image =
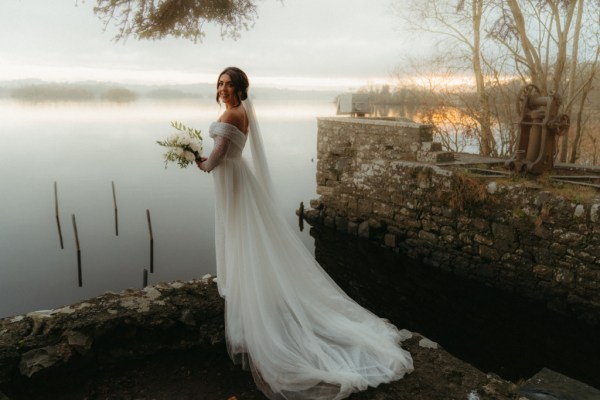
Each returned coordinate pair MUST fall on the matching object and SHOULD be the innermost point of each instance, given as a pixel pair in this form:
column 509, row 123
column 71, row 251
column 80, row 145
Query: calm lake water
column 84, row 147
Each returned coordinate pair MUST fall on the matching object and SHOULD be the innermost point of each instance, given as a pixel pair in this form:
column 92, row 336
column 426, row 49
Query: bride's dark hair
column 240, row 82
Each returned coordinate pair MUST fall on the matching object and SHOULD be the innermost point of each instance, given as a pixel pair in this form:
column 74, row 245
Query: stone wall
column 541, row 240
column 134, row 324
column 113, row 327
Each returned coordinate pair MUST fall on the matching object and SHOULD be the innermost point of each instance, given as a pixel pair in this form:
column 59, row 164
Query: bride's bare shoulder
column 235, row 117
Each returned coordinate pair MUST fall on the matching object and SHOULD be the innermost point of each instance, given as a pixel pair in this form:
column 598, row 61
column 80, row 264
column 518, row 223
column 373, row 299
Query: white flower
column 196, row 146
column 189, row 155
column 184, row 140
column 179, row 151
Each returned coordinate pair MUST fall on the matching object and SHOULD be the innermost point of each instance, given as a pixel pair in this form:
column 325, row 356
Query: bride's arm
column 216, row 156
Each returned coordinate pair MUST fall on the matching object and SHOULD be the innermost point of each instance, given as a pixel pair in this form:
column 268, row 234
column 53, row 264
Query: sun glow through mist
column 136, row 75
column 440, row 81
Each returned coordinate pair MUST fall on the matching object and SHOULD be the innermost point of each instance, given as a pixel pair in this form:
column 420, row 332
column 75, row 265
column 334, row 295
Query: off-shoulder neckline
column 227, row 123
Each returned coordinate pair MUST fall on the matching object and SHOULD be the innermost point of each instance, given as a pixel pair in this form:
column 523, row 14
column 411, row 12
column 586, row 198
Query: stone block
column 397, row 198
column 383, row 210
column 488, row 253
column 325, row 190
column 436, row 146
column 353, row 228
column 480, row 224
column 570, row 238
column 431, row 146
column 435, row 156
column 316, row 204
column 364, row 230
column 564, row 276
column 365, row 206
column 548, row 384
column 480, row 239
column 42, row 358
column 595, row 212
column 389, row 240
column 352, row 204
column 428, row 236
column 341, row 223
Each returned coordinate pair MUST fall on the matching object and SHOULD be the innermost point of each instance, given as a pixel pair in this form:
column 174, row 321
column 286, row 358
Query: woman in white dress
column 285, row 319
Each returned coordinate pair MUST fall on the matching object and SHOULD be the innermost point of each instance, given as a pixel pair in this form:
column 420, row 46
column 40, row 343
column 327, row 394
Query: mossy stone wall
column 506, row 233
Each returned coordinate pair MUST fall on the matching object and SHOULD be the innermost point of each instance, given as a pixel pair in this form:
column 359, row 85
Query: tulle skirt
column 286, row 320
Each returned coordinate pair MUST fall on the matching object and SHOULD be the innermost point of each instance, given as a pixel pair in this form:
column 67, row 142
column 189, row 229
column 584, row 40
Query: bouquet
column 184, row 146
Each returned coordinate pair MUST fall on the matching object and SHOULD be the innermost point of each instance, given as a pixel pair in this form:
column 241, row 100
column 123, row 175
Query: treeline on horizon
column 422, row 96
column 47, row 92
column 58, row 92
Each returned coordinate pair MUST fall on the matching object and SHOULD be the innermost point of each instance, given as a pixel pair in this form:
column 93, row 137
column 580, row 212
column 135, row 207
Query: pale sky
column 329, row 44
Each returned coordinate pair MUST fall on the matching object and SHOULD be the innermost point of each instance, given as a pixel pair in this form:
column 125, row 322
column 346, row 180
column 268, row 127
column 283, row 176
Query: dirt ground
column 194, row 375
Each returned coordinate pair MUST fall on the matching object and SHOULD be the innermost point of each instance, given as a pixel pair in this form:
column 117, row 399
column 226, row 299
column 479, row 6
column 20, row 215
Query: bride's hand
column 199, row 163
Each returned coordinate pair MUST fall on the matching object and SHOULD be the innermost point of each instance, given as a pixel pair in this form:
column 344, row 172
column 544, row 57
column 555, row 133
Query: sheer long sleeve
column 219, row 151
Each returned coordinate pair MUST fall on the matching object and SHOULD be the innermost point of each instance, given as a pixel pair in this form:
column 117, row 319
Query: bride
column 285, row 319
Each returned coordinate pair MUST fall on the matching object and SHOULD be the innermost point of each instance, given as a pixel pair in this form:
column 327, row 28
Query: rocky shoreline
column 170, row 337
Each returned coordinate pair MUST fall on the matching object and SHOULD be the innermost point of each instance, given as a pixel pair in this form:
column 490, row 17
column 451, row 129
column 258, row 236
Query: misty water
column 84, row 147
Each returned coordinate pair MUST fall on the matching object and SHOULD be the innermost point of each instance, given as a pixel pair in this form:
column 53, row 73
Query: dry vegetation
column 467, row 191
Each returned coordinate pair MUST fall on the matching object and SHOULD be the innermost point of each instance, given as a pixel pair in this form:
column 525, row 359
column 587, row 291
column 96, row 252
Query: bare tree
column 156, row 19
column 462, row 25
column 449, row 113
column 544, row 38
column 581, row 119
column 488, row 144
column 544, row 42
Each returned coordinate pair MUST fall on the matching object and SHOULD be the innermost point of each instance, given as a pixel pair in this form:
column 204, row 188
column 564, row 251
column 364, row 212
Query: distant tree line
column 41, row 93
column 54, row 92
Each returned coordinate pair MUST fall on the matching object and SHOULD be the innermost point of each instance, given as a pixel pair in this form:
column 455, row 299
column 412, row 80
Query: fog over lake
column 83, row 147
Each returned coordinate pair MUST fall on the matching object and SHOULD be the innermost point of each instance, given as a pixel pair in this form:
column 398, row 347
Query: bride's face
column 226, row 90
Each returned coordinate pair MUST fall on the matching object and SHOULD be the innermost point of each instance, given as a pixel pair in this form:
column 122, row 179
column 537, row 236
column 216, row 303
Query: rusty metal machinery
column 539, row 128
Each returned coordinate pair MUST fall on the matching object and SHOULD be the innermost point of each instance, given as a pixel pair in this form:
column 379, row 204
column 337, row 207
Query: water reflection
column 495, row 331
column 85, row 147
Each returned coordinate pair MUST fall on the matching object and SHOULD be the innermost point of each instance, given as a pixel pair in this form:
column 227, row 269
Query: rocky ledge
column 134, row 327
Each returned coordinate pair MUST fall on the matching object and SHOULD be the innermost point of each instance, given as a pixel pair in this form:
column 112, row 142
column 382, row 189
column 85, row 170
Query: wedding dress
column 285, row 319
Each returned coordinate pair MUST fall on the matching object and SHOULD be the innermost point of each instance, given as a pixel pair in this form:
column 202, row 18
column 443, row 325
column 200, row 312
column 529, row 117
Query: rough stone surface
column 548, row 384
column 134, row 323
column 166, row 342
column 515, row 235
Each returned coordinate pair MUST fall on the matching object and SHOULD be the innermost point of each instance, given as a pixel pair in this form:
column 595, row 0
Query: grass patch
column 575, row 193
column 466, row 191
column 571, row 192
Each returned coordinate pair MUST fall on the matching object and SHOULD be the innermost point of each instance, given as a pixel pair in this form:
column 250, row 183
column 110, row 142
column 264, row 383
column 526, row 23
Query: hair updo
column 240, row 83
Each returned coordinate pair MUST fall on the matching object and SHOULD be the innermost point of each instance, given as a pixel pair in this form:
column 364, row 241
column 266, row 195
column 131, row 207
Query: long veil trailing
column 259, row 158
column 285, row 318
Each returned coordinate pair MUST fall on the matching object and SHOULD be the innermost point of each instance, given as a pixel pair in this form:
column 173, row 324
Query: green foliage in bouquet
column 183, row 147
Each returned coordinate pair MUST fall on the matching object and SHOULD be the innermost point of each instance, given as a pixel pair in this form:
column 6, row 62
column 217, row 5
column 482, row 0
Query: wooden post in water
column 301, row 216
column 145, row 277
column 151, row 242
column 57, row 217
column 116, row 212
column 80, row 280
